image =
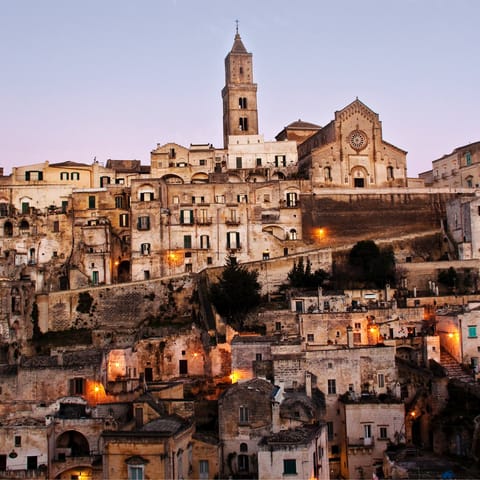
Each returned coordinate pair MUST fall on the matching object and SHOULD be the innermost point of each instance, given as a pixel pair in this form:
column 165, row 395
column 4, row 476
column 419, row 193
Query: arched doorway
column 359, row 177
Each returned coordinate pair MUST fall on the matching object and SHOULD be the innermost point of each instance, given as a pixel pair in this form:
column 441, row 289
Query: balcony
column 204, row 221
column 232, row 221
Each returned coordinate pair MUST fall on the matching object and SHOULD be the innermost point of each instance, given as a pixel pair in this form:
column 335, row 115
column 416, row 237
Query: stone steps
column 453, row 368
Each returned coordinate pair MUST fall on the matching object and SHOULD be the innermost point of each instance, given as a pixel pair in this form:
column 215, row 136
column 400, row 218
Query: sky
column 85, row 79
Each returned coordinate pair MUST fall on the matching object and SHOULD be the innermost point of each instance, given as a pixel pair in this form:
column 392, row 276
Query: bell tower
column 240, row 116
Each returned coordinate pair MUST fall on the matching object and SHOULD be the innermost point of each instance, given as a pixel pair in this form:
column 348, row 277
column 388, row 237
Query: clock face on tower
column 358, row 139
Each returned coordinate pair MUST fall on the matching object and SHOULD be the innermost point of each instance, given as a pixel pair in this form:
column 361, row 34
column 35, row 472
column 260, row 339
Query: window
column 146, row 196
column 469, row 182
column 242, row 102
column 123, row 220
column 119, row 181
column 310, row 337
column 187, row 241
column 77, row 386
column 330, row 431
column 291, row 199
column 95, row 277
column 143, row 223
column 390, row 175
column 202, row 162
column 135, row 472
column 259, row 162
column 327, row 172
column 357, row 337
column 219, row 198
column 292, row 234
column 202, row 217
column 198, row 199
column 209, row 260
column 146, row 274
column 25, row 207
column 104, row 181
column 3, row 209
column 64, row 176
column 381, row 380
column 278, row 326
column 383, row 433
column 258, row 357
column 33, row 175
column 204, row 242
column 145, row 248
column 332, row 386
column 233, row 240
column 299, row 306
column 472, row 331
column 367, row 431
column 203, row 469
column 242, row 198
column 91, row 201
column 243, row 447
column 243, row 124
column 175, row 199
column 119, row 201
column 186, row 217
column 243, row 414
column 289, row 466
column 358, row 325
column 468, row 159
column 280, row 161
column 239, row 162
column 266, row 198
column 56, row 226
column 18, row 441
column 75, row 176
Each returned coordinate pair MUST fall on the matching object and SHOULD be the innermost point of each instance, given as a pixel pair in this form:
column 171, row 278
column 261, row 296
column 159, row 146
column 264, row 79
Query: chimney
column 349, row 336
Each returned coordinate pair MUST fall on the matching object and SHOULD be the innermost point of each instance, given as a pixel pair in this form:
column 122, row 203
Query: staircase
column 453, row 368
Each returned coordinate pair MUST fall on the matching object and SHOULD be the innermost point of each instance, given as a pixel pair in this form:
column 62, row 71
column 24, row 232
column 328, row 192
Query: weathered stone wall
column 121, row 307
column 348, row 218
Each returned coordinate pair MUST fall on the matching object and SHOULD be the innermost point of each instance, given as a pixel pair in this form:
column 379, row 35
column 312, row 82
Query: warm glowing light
column 450, row 335
column 195, row 354
column 116, row 263
column 320, row 233
column 234, row 377
column 97, row 388
column 412, row 414
column 372, row 329
column 117, row 364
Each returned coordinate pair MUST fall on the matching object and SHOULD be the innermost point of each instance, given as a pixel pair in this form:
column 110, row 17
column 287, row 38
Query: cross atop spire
column 236, row 22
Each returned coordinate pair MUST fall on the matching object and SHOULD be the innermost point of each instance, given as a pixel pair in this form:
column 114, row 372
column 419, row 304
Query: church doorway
column 359, row 182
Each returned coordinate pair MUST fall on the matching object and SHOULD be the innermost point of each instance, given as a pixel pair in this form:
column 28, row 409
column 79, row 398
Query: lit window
column 291, row 199
column 124, row 220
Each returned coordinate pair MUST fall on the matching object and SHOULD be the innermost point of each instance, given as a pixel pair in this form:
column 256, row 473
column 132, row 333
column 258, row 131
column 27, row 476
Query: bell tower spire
column 240, row 115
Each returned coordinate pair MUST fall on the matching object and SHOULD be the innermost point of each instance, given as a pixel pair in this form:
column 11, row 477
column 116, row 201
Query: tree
column 236, row 293
column 371, row 265
column 301, row 276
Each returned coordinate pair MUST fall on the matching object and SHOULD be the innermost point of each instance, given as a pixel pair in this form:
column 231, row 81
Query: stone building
column 370, row 424
column 350, row 152
column 459, row 169
column 297, row 452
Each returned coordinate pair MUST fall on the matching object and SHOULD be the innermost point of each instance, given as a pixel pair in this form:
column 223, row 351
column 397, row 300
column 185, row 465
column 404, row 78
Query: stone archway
column 359, row 177
column 73, row 444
